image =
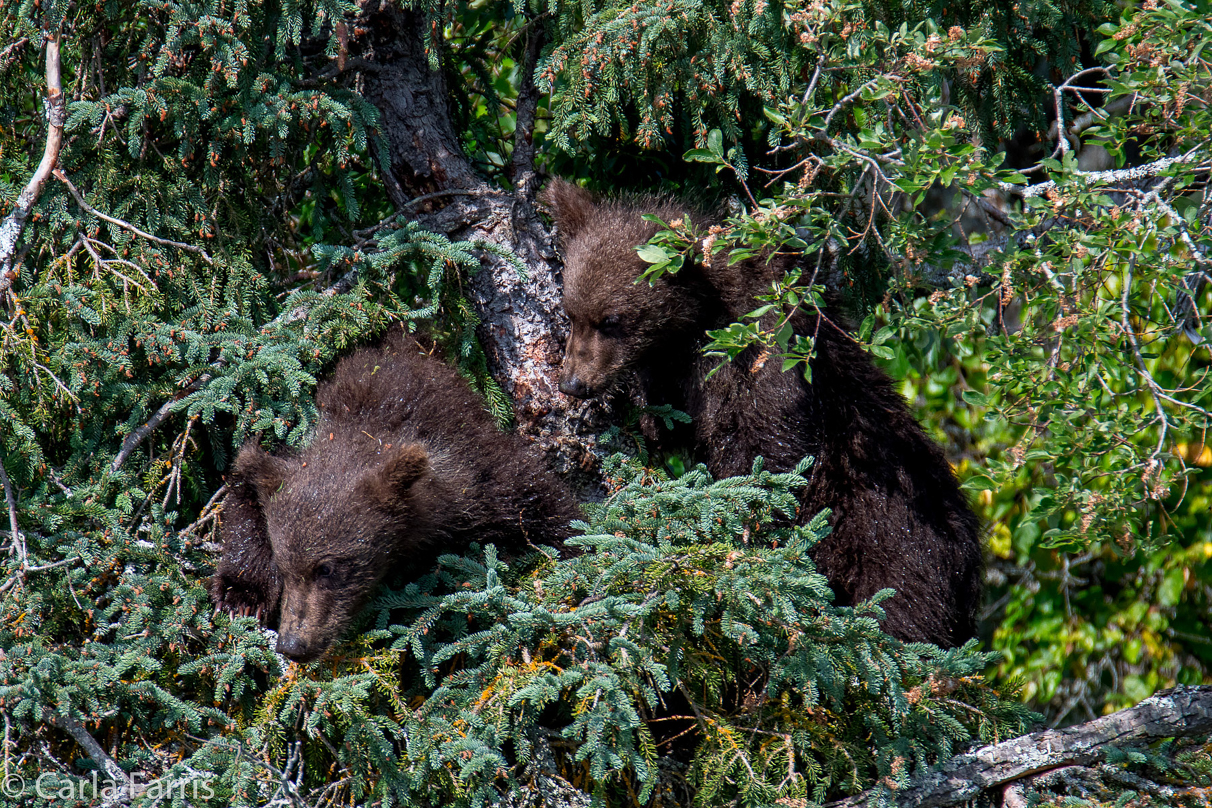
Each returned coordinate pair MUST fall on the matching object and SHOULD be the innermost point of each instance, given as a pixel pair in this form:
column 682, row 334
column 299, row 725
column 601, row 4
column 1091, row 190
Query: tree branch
column 59, row 175
column 1182, row 712
column 1118, row 175
column 528, row 104
column 11, row 500
column 94, row 750
column 56, row 116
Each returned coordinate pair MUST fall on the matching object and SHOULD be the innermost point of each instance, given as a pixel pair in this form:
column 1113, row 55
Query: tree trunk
column 522, row 322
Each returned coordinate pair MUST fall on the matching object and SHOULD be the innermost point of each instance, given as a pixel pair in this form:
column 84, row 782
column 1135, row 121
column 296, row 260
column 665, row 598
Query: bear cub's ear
column 570, row 205
column 405, row 466
column 263, row 471
column 387, row 485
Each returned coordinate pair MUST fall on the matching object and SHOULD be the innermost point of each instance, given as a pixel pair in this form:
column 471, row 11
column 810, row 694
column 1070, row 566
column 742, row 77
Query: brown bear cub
column 405, row 465
column 899, row 518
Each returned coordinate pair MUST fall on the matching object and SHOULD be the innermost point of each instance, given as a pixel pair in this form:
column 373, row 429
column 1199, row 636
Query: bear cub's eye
column 611, row 326
column 325, row 571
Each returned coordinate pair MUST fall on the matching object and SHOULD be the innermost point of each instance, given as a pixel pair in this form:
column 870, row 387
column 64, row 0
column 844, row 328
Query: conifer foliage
column 228, row 214
column 690, row 648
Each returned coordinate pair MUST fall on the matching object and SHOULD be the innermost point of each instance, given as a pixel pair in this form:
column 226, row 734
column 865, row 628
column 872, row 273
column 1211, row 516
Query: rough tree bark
column 522, row 321
column 1183, row 712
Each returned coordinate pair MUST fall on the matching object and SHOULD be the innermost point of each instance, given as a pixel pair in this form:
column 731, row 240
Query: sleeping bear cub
column 405, row 465
column 899, row 518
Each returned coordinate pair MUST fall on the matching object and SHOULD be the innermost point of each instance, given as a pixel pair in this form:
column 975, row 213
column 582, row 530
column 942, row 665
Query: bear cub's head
column 616, row 323
column 335, row 527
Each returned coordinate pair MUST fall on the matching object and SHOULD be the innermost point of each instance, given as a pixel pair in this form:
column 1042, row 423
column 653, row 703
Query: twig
column 59, row 175
column 364, row 236
column 56, row 116
column 816, row 75
column 852, row 96
column 140, row 433
column 287, row 787
column 63, row 562
column 1087, row 119
column 1114, row 176
column 15, row 532
column 174, row 476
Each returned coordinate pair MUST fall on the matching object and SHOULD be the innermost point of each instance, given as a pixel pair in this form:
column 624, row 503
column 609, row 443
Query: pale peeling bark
column 56, row 116
column 1183, row 712
column 522, row 322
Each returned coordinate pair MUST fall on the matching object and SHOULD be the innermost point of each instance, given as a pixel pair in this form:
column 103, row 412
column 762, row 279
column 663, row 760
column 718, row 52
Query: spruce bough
column 690, row 649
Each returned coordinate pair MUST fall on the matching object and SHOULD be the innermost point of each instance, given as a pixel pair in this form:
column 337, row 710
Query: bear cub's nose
column 572, row 386
column 294, row 647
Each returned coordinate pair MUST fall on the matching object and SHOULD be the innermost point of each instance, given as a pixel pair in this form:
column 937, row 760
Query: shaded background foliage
column 1051, row 343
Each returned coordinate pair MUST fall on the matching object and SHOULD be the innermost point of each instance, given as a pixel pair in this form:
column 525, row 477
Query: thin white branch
column 1115, row 176
column 853, row 96
column 14, row 531
column 56, row 116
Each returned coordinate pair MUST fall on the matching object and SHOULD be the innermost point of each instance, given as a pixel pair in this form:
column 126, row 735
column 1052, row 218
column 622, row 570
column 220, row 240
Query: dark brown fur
column 899, row 518
column 405, row 465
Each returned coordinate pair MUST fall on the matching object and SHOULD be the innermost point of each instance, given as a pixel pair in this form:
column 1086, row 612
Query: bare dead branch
column 59, row 175
column 1115, row 176
column 56, row 116
column 14, row 530
column 1182, row 712
column 95, row 751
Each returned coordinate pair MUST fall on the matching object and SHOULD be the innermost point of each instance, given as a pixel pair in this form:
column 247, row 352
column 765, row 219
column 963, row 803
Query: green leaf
column 653, row 254
column 701, row 156
column 883, row 351
column 980, row 483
